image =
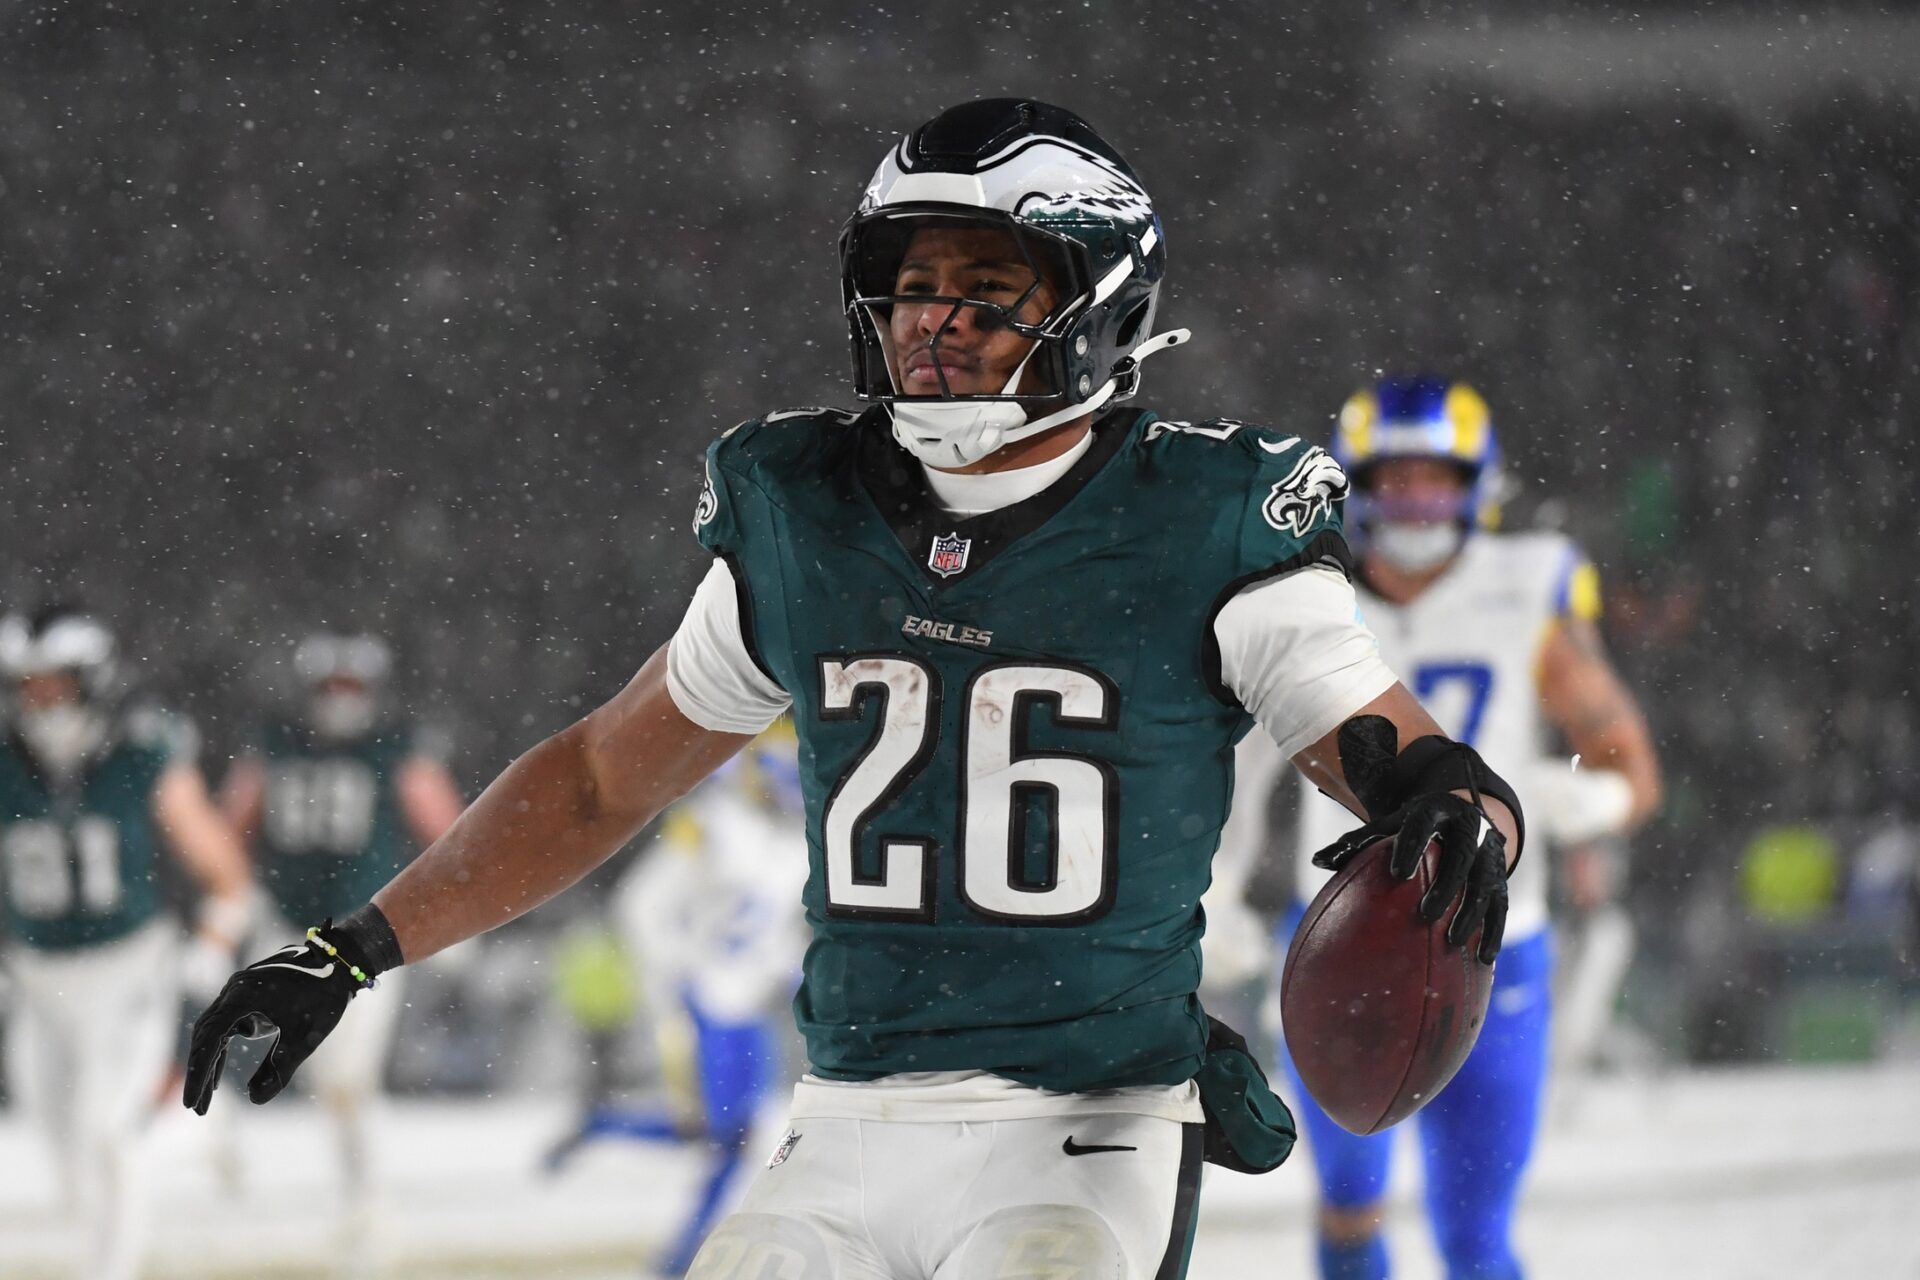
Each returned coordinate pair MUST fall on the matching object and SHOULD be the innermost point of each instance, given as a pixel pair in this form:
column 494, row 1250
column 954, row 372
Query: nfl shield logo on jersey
column 785, row 1149
column 949, row 554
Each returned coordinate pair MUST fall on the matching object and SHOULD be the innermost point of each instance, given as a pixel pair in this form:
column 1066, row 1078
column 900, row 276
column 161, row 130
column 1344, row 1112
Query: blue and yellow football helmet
column 1422, row 417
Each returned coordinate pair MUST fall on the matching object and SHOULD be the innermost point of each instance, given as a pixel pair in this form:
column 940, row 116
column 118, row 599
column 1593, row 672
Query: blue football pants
column 737, row 1061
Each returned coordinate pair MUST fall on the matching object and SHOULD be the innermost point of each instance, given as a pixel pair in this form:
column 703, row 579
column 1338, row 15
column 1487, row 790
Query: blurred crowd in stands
column 418, row 318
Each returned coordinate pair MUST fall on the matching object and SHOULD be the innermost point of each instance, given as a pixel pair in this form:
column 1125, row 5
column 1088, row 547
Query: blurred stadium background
column 416, row 317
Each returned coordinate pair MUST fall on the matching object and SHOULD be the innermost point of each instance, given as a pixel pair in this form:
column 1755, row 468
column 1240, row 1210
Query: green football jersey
column 1015, row 743
column 79, row 860
column 331, row 833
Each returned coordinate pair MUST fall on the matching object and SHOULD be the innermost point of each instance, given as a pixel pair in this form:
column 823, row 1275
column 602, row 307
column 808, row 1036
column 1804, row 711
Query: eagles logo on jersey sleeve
column 714, row 522
column 1294, row 491
column 1275, row 504
column 1295, row 502
column 1305, row 499
column 1291, row 494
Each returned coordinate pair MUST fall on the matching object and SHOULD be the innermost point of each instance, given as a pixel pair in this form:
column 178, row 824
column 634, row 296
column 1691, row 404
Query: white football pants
column 1030, row 1199
column 92, row 1037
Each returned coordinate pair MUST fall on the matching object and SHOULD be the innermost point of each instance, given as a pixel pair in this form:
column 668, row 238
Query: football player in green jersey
column 332, row 801
column 1019, row 627
column 91, row 792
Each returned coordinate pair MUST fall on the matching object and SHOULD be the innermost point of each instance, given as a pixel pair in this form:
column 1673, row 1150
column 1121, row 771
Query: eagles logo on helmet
column 1082, row 223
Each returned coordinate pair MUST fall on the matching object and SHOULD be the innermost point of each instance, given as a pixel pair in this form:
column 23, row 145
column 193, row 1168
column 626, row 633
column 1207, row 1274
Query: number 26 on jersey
column 999, row 785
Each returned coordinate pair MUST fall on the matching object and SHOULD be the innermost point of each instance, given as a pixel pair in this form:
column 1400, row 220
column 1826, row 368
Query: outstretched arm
column 556, row 813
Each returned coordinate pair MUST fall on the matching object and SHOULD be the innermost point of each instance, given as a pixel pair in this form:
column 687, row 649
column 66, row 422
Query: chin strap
column 957, row 433
column 1126, row 374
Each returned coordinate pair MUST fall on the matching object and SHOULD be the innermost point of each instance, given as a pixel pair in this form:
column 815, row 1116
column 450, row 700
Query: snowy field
column 1748, row 1174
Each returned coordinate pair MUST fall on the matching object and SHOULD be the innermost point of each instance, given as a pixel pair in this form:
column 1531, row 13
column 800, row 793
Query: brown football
column 1378, row 1009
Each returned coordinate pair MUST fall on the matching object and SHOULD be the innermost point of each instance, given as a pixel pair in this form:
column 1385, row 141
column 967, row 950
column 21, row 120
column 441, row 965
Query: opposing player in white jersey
column 714, row 915
column 1496, row 633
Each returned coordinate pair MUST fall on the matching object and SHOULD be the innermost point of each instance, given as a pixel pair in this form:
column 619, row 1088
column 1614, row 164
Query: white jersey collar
column 972, row 495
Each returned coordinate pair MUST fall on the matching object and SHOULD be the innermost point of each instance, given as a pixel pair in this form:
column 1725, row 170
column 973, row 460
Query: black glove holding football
column 1409, row 796
column 297, row 995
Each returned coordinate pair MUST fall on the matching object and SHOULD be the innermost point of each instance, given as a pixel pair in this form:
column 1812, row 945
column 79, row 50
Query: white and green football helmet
column 1080, row 218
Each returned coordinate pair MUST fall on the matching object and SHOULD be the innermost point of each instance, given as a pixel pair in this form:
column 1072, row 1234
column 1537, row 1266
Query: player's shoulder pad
column 1573, row 581
column 169, row 734
column 1292, row 490
column 1232, row 450
column 757, row 451
column 1547, row 564
column 779, row 437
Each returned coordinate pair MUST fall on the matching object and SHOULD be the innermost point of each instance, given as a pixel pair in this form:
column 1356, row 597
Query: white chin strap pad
column 958, row 433
column 954, row 433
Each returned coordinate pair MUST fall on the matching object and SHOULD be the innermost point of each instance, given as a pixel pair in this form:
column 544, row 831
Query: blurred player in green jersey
column 333, row 799
column 93, row 789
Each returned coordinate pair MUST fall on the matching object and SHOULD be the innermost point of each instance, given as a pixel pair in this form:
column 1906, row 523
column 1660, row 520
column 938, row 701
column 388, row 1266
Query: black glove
column 1473, row 852
column 1473, row 857
column 297, row 995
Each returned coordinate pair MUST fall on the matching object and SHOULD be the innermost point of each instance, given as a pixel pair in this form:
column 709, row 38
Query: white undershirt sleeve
column 1296, row 654
column 711, row 676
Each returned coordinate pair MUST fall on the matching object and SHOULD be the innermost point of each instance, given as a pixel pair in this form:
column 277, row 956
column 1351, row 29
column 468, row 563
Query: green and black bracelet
column 360, row 976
